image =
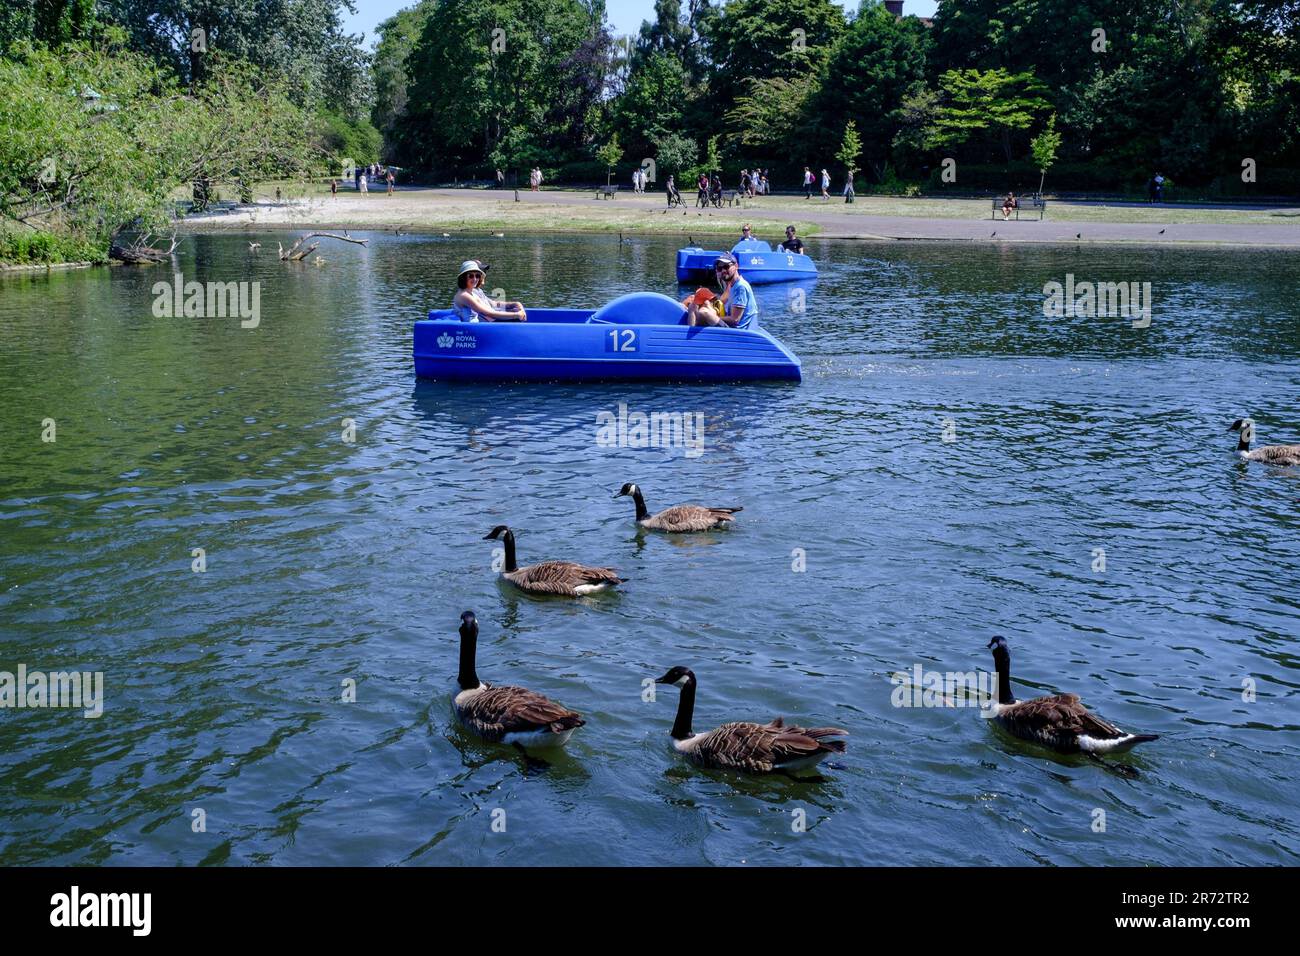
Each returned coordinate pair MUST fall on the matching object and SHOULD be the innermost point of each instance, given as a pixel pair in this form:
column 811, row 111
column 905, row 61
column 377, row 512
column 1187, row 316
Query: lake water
column 946, row 472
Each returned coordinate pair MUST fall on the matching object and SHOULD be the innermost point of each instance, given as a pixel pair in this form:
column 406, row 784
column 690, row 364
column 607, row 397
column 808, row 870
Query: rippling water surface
column 329, row 561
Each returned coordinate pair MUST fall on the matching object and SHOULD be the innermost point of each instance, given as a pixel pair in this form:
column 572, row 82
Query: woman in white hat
column 472, row 304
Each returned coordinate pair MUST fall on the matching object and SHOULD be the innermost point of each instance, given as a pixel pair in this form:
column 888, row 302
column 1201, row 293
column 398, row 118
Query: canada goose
column 509, row 715
column 254, row 246
column 552, row 577
column 1059, row 721
column 680, row 518
column 1273, row 454
column 754, row 748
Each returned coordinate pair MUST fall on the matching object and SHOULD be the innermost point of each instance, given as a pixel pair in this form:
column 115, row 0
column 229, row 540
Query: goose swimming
column 1272, row 454
column 552, row 577
column 680, row 518
column 509, row 715
column 1059, row 721
column 752, row 748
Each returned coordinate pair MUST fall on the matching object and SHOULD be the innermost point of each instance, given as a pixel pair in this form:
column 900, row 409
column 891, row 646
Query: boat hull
column 564, row 345
column 758, row 268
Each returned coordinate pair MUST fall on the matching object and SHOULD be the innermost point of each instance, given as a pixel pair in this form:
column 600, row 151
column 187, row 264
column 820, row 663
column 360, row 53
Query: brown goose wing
column 689, row 518
column 560, row 577
column 762, row 748
column 498, row 711
column 1059, row 718
column 1277, row 454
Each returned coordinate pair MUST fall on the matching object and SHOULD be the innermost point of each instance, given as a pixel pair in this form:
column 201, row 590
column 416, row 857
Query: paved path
column 1056, row 227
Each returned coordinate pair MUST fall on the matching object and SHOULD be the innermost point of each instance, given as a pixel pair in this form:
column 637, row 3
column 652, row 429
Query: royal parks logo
column 457, row 340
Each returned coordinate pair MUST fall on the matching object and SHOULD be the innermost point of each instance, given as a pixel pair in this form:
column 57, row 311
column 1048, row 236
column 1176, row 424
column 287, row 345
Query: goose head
column 1247, row 428
column 1001, row 654
column 468, row 625
column 628, row 489
column 496, row 532
column 678, row 676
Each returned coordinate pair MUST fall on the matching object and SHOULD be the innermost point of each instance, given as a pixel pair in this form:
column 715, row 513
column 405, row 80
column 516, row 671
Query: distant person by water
column 807, row 183
column 826, row 185
column 390, row 180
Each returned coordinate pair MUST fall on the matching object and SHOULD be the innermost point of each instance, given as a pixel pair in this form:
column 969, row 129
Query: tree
column 675, row 153
column 769, row 112
column 1044, row 147
column 397, row 38
column 767, row 38
column 850, row 149
column 977, row 102
column 610, row 154
column 118, row 135
column 510, row 57
column 870, row 70
column 653, row 102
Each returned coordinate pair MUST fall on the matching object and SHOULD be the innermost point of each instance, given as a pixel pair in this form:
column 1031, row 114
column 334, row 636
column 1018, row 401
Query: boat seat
column 639, row 308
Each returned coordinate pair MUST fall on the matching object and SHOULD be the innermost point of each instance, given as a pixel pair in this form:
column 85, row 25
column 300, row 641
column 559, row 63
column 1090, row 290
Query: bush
column 36, row 248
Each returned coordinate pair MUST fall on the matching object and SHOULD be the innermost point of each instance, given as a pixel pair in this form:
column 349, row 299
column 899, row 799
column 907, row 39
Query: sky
column 625, row 16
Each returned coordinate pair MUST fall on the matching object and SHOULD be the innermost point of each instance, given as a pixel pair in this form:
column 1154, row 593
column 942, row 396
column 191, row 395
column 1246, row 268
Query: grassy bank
column 29, row 248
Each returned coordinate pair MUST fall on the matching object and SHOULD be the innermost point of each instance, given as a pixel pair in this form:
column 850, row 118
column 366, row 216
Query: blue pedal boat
column 758, row 263
column 641, row 335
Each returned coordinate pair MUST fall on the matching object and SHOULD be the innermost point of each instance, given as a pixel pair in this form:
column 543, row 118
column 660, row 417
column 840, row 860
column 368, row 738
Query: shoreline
column 557, row 212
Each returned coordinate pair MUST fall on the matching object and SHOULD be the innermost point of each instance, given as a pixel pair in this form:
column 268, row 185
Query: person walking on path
column 390, row 179
column 334, row 187
column 365, row 183
column 807, row 183
column 826, row 185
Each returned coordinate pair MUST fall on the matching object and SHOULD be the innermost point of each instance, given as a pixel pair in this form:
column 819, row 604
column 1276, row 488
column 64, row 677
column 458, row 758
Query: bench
column 606, row 192
column 1027, row 204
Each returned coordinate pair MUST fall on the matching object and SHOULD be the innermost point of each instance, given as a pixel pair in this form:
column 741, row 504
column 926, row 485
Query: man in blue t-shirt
column 741, row 306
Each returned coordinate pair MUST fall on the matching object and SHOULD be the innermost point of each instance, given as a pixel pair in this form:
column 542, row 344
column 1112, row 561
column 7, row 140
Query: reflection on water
column 330, row 561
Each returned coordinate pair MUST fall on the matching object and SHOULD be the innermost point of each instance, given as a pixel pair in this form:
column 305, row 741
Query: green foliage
column 978, row 102
column 302, row 42
column 653, row 101
column 26, row 247
column 755, row 39
column 342, row 139
column 397, row 38
column 611, row 153
column 1044, row 147
column 117, row 136
column 674, row 154
column 850, row 149
column 769, row 112
column 515, row 92
column 875, row 64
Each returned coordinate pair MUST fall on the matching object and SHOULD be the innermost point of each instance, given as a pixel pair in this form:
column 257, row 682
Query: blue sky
column 625, row 16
